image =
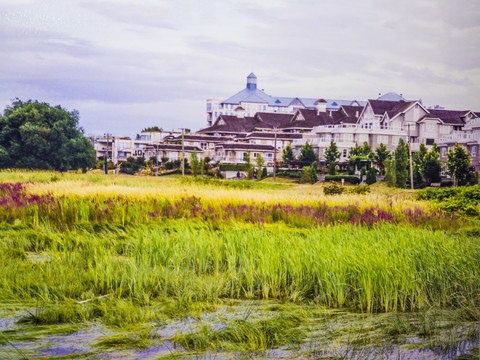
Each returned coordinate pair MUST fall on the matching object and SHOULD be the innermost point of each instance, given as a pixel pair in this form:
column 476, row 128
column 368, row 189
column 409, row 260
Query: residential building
column 254, row 100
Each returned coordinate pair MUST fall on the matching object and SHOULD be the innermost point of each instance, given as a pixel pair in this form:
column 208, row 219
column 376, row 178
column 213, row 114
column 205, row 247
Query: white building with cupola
column 253, row 100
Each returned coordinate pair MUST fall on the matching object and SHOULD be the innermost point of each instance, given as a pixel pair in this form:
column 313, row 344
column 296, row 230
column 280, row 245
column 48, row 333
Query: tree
column 390, row 172
column 307, row 155
column 371, row 176
column 331, row 155
column 194, row 163
column 359, row 156
column 248, row 165
column 418, row 162
column 381, row 154
column 401, row 164
column 260, row 163
column 458, row 165
column 309, row 174
column 288, row 155
column 36, row 135
column 432, row 166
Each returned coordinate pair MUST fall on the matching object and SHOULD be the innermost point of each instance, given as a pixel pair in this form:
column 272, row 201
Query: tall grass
column 372, row 269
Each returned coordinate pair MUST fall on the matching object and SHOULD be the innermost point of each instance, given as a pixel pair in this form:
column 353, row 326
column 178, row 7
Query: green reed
column 384, row 268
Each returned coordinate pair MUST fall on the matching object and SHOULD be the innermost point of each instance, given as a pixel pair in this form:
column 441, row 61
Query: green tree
column 432, row 166
column 260, row 163
column 458, row 165
column 307, row 155
column 309, row 174
column 288, row 155
column 390, row 172
column 35, row 135
column 331, row 155
column 381, row 154
column 401, row 164
column 371, row 176
column 195, row 163
column 248, row 165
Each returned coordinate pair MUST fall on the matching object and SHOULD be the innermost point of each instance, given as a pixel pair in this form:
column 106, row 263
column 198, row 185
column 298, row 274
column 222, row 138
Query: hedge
column 233, row 167
column 351, row 179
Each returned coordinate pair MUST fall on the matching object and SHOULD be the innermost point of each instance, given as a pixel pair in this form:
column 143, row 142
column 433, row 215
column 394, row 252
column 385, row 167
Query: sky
column 126, row 65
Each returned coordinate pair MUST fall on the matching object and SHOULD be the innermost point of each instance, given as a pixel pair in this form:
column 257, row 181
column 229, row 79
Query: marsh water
column 224, row 333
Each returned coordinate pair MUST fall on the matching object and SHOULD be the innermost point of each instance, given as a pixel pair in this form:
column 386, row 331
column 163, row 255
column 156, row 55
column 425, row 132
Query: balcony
column 460, row 137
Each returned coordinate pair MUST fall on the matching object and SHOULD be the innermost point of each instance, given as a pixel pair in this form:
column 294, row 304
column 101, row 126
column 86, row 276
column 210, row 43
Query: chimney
column 321, row 106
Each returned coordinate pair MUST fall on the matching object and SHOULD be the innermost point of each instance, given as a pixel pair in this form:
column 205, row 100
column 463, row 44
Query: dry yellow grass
column 141, row 188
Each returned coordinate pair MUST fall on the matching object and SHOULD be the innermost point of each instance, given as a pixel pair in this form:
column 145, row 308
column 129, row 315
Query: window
column 345, row 153
column 429, row 141
column 474, row 151
column 382, row 139
column 395, row 140
column 444, row 151
column 203, row 145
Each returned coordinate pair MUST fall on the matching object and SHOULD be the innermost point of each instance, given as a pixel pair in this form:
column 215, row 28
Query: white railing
column 460, row 137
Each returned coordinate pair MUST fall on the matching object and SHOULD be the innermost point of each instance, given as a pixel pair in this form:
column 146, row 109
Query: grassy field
column 170, row 267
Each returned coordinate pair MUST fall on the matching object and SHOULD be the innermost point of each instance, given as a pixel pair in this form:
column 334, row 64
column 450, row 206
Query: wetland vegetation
column 138, row 267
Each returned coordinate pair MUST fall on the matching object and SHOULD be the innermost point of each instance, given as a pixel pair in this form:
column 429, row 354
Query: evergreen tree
column 381, row 154
column 288, row 155
column 371, row 176
column 194, row 163
column 307, row 155
column 248, row 166
column 432, row 166
column 458, row 165
column 331, row 155
column 260, row 163
column 401, row 164
column 390, row 172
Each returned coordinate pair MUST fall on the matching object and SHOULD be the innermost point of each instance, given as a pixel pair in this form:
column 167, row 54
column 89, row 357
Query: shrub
column 349, row 178
column 359, row 189
column 233, row 167
column 296, row 174
column 264, row 173
column 333, row 189
column 371, row 176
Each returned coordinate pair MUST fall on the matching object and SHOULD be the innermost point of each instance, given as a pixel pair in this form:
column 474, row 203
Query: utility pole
column 183, row 153
column 275, row 154
column 410, row 156
column 156, row 158
column 105, row 157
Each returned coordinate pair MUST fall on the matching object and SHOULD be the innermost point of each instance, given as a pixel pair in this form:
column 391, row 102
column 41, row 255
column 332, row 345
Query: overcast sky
column 125, row 65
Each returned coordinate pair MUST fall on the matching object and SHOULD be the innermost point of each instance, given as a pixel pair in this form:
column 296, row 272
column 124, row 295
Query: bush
column 359, row 190
column 295, row 174
column 333, row 189
column 351, row 179
column 233, row 167
column 371, row 176
column 309, row 175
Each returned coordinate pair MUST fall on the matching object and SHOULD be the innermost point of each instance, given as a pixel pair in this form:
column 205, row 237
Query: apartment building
column 254, row 100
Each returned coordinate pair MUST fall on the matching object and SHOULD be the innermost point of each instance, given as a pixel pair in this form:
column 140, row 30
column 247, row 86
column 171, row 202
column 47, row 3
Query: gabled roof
column 307, row 119
column 271, row 120
column 391, row 96
column 231, row 124
column 379, row 107
column 351, row 110
column 450, row 117
column 400, row 108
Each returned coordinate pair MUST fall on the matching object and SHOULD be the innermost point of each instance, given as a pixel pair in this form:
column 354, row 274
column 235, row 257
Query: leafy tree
column 381, row 154
column 152, row 129
column 401, row 164
column 36, row 135
column 371, row 176
column 432, row 166
column 260, row 163
column 131, row 166
column 390, row 172
column 458, row 165
column 194, row 163
column 307, row 155
column 331, row 155
column 288, row 155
